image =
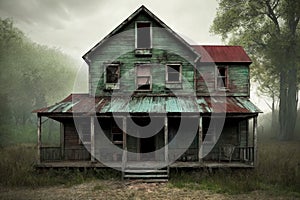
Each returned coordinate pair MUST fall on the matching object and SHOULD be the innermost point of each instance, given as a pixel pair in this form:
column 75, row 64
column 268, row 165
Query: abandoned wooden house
column 144, row 72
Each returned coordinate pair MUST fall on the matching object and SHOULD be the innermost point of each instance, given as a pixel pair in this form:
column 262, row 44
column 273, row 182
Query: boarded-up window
column 173, row 73
column 143, row 77
column 143, row 35
column 222, row 77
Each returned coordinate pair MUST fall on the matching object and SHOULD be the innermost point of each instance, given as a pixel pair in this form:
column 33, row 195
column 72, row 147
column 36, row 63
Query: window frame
column 218, row 76
column 112, row 86
column 167, row 74
column 136, row 77
column 136, row 34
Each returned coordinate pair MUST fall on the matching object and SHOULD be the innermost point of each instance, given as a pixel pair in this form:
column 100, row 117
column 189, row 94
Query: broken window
column 112, row 76
column 143, row 77
column 143, row 35
column 173, row 73
column 222, row 82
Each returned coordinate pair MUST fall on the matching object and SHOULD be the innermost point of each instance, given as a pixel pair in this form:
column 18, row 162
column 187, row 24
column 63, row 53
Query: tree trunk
column 282, row 106
column 288, row 96
column 274, row 126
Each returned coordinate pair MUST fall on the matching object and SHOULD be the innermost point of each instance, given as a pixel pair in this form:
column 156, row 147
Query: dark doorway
column 147, row 145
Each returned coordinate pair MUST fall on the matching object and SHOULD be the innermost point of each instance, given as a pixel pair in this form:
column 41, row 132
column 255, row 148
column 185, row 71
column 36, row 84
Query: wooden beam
column 124, row 155
column 200, row 135
column 39, row 134
column 92, row 139
column 62, row 140
column 166, row 141
column 255, row 162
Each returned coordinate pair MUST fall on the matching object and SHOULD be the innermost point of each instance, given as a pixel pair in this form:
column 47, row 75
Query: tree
column 269, row 30
column 32, row 75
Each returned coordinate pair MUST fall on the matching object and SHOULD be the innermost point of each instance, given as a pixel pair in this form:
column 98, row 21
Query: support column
column 166, row 140
column 255, row 162
column 39, row 144
column 62, row 141
column 93, row 139
column 124, row 155
column 200, row 134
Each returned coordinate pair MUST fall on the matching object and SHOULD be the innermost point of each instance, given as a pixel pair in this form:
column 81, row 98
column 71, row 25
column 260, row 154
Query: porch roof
column 86, row 104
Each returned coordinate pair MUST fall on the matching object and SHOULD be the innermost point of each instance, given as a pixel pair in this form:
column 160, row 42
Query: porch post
column 124, row 154
column 92, row 139
column 39, row 144
column 62, row 140
column 200, row 133
column 255, row 140
column 166, row 141
column 124, row 134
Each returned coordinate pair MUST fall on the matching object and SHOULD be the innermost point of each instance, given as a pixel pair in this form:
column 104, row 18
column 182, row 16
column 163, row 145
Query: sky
column 75, row 26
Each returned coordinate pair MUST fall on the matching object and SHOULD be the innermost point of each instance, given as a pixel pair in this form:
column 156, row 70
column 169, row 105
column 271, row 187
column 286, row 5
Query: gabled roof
column 128, row 20
column 86, row 104
column 222, row 54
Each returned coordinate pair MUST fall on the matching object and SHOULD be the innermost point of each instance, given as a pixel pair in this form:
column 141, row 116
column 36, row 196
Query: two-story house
column 156, row 101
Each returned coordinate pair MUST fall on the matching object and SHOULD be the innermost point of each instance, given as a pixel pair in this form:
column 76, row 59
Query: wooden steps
column 147, row 175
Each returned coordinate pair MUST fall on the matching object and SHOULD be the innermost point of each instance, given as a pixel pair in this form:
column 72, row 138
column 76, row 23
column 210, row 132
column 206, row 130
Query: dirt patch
column 115, row 190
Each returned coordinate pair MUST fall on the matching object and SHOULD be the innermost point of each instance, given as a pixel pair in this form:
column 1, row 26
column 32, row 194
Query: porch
column 95, row 134
column 53, row 157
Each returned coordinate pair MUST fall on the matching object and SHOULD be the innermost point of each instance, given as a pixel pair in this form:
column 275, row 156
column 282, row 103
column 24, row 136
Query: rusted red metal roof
column 85, row 104
column 226, row 105
column 222, row 54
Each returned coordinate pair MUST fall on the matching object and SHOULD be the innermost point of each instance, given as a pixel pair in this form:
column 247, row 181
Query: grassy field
column 277, row 174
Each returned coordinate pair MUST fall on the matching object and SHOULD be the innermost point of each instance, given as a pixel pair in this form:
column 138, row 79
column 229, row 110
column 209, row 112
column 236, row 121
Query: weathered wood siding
column 73, row 148
column 238, row 80
column 166, row 49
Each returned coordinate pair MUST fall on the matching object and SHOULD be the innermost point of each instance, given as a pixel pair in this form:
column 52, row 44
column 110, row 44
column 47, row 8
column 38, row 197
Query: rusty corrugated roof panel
column 83, row 103
column 222, row 54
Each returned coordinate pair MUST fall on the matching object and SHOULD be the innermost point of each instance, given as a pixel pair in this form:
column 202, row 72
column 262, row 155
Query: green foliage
column 269, row 30
column 31, row 76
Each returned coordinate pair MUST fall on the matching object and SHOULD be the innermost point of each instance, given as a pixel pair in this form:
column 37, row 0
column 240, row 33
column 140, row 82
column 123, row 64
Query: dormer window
column 143, row 38
column 222, row 78
column 112, row 76
column 143, row 77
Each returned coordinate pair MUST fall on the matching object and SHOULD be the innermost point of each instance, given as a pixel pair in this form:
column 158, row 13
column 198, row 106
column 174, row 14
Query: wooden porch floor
column 146, row 164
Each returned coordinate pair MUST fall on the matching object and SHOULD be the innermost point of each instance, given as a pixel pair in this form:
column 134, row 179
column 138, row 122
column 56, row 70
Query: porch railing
column 51, row 153
column 58, row 154
column 246, row 154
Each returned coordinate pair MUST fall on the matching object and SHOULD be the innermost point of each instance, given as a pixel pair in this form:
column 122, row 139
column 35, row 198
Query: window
column 143, row 77
column 117, row 132
column 173, row 73
column 222, row 78
column 143, row 35
column 112, row 76
column 209, row 131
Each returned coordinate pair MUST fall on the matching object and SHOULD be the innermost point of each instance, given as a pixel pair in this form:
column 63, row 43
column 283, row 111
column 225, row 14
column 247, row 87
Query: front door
column 147, row 148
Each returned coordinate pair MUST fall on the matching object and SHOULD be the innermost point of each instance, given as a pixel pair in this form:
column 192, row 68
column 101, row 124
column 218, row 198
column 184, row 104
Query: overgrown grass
column 278, row 172
column 17, row 169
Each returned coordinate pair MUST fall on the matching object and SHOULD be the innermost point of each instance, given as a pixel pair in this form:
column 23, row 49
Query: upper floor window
column 143, row 77
column 222, row 77
column 143, row 35
column 112, row 75
column 173, row 73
